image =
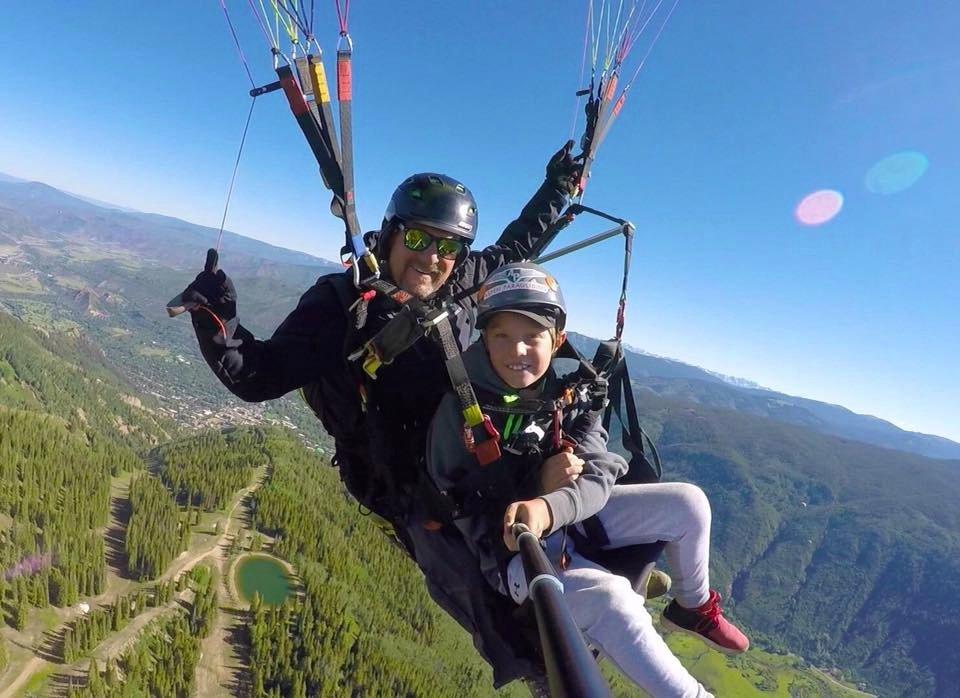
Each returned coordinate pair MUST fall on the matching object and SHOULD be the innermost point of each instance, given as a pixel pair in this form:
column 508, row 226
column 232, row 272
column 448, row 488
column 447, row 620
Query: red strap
column 344, row 84
column 488, row 452
column 216, row 318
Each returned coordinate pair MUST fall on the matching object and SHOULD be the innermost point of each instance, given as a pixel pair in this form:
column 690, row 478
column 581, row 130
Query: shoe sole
column 670, row 625
column 658, row 584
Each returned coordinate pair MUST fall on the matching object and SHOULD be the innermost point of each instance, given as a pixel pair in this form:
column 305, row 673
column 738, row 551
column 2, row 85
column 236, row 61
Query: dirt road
column 223, row 665
column 117, row 642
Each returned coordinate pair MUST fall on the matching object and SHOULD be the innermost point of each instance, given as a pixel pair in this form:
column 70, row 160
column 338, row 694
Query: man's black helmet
column 435, row 200
column 525, row 288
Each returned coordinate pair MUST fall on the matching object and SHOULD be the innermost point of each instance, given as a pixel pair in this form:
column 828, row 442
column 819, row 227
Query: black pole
column 272, row 87
column 571, row 669
column 625, row 229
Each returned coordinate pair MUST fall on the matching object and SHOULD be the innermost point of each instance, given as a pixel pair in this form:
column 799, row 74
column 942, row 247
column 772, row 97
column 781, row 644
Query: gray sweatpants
column 605, row 607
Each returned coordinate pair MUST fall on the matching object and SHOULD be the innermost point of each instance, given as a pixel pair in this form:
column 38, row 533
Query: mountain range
column 836, row 535
column 176, row 245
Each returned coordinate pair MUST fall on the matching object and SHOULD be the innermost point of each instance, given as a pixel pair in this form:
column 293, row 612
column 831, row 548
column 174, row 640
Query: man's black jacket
column 380, row 451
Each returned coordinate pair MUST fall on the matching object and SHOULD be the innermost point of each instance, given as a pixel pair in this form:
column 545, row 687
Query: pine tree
column 116, row 621
column 20, row 612
column 94, row 682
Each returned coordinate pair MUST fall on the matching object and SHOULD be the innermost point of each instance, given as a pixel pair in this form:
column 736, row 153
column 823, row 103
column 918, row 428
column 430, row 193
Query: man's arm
column 520, row 237
column 307, row 343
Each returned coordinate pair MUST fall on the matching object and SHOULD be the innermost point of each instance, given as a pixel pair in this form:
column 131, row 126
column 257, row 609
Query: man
column 379, row 426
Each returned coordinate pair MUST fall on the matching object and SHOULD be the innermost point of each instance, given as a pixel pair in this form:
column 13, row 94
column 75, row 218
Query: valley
column 824, row 543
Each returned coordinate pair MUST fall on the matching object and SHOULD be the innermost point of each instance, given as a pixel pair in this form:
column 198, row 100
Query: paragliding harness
column 417, row 319
column 591, row 381
column 597, row 390
column 308, row 96
column 535, row 428
column 303, row 81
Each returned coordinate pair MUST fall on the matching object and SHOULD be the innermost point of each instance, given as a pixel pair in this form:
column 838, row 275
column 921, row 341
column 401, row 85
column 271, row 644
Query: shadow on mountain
column 116, row 554
column 51, row 645
column 238, row 645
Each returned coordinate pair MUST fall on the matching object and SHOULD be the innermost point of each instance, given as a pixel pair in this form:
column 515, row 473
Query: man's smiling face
column 421, row 274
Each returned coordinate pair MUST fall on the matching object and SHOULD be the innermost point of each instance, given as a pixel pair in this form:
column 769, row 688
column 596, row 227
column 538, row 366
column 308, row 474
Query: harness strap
column 627, row 256
column 345, row 99
column 402, row 331
column 633, row 437
column 329, row 168
column 478, row 429
column 317, row 79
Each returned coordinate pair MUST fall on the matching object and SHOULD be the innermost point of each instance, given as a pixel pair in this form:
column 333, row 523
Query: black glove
column 214, row 289
column 564, row 170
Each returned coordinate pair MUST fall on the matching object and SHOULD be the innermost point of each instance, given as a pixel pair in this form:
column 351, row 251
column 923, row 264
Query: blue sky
column 742, row 109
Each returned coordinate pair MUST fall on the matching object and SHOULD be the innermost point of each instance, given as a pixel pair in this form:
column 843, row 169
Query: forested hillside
column 206, row 470
column 65, row 375
column 66, row 428
column 364, row 622
column 845, row 553
column 163, row 660
column 361, row 620
column 69, row 425
column 838, row 551
column 54, row 487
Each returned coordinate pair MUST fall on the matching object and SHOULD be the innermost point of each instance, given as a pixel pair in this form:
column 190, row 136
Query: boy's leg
column 614, row 620
column 677, row 513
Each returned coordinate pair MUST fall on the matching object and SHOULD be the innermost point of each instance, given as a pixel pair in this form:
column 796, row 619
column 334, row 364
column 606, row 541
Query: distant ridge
column 676, row 380
column 179, row 245
column 172, row 238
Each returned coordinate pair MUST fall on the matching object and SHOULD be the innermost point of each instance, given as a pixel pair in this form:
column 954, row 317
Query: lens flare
column 819, row 207
column 896, row 173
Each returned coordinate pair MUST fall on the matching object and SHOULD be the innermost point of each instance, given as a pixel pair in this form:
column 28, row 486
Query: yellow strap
column 371, row 365
column 372, row 263
column 473, row 415
column 318, row 77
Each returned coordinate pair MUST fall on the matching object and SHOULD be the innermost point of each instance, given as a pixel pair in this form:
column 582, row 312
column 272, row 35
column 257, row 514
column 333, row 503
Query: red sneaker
column 707, row 623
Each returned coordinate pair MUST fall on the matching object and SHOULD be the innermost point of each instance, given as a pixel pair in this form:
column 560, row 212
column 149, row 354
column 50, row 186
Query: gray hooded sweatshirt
column 449, row 461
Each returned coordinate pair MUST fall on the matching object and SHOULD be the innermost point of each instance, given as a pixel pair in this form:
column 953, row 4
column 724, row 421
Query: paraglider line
column 652, row 44
column 236, row 41
column 271, row 42
column 583, row 64
column 343, row 15
column 233, row 177
column 295, row 18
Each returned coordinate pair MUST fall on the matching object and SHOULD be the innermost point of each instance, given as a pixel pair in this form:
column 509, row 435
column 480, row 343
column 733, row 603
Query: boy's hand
column 560, row 470
column 534, row 513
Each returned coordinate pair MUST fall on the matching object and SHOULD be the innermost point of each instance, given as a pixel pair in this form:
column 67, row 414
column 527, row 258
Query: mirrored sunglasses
column 417, row 240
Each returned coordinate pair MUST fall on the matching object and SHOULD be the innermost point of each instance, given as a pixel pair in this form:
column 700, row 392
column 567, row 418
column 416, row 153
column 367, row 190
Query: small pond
column 263, row 575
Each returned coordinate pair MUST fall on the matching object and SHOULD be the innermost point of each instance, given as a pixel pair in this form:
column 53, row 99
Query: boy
column 548, row 484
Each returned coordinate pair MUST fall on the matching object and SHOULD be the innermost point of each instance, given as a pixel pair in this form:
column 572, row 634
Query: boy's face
column 519, row 348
